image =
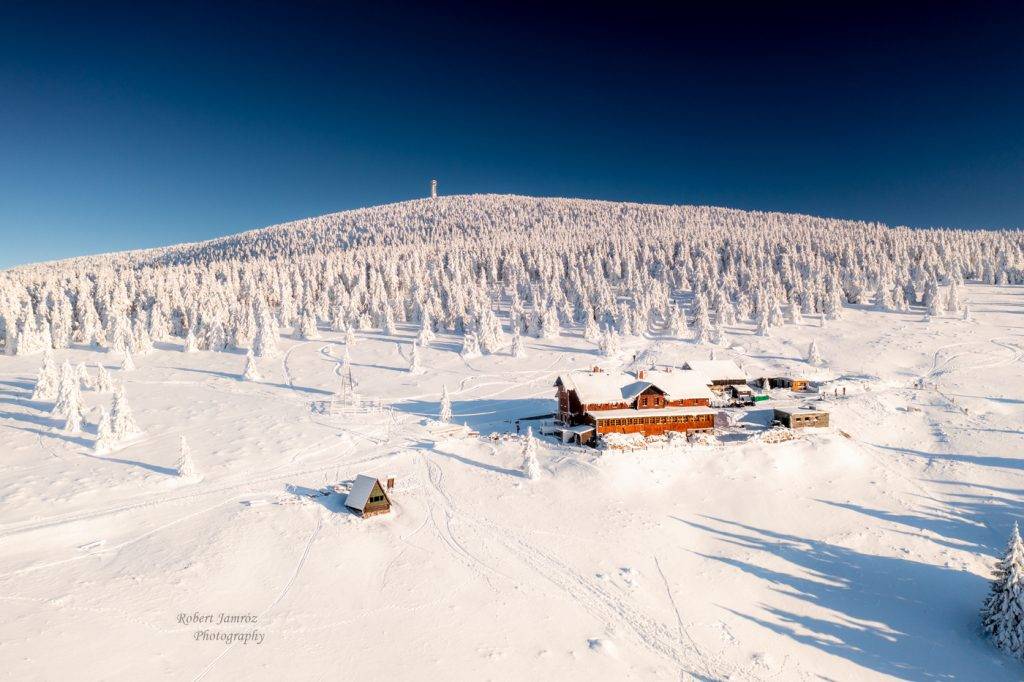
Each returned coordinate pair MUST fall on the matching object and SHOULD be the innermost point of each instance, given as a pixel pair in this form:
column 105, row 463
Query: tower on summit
column 433, row 189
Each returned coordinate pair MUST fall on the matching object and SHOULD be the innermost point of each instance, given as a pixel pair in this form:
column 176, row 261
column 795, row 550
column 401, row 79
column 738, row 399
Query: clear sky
column 130, row 126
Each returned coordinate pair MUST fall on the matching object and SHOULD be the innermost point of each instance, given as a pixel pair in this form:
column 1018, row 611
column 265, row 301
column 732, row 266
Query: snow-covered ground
column 861, row 551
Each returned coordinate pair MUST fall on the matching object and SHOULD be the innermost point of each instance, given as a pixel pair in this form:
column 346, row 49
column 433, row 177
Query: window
column 377, row 498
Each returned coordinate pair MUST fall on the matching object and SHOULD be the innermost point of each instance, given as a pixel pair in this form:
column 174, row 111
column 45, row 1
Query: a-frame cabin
column 367, row 497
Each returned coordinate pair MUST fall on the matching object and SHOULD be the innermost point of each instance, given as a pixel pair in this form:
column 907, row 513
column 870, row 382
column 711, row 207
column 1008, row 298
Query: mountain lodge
column 594, row 402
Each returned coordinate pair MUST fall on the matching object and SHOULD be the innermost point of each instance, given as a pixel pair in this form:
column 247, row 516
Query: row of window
column 675, row 419
column 376, row 498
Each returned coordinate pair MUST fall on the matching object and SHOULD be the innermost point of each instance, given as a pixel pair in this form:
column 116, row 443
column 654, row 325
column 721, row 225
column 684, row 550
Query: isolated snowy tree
column 185, row 466
column 591, row 332
column 531, row 467
column 122, row 421
column 128, row 362
column 470, row 346
column 415, row 362
column 69, row 393
column 1002, row 616
column 350, row 337
column 446, row 405
column 48, row 380
column 813, row 355
column 518, row 350
column 103, row 383
column 701, row 321
column 251, row 371
column 935, row 306
column 190, row 345
column 105, row 439
column 953, row 302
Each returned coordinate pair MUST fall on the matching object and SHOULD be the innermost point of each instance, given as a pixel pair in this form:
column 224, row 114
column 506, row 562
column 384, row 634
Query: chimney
column 391, row 483
column 641, row 374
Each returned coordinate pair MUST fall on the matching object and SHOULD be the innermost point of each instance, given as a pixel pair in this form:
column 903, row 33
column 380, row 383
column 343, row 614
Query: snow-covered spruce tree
column 265, row 341
column 48, row 381
column 470, row 346
column 307, row 326
column 445, row 414
column 609, row 343
column 85, row 381
column 142, row 344
column 934, row 306
column 185, row 466
column 1002, row 616
column 795, row 316
column 763, row 321
column 103, row 383
column 128, row 362
column 350, row 337
column 813, row 355
column 69, row 393
column 415, row 362
column 953, row 302
column 591, row 332
column 191, row 345
column 531, row 467
column 251, row 371
column 423, row 338
column 518, row 349
column 701, row 320
column 550, row 327
column 105, row 439
column 122, row 421
column 73, row 423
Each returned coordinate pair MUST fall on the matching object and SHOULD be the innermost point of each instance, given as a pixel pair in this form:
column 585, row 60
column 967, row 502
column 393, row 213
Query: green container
column 760, row 398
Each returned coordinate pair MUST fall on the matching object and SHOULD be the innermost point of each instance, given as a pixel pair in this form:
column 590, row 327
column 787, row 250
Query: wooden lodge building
column 595, row 402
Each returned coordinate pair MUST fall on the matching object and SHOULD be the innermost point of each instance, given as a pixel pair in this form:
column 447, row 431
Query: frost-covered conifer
column 550, row 327
column 103, row 384
column 813, row 355
column 122, row 421
column 795, row 316
column 701, row 320
column 190, row 345
column 415, row 362
column 591, row 332
column 48, row 381
column 69, row 393
column 445, row 414
column 350, row 337
column 953, row 302
column 518, row 349
column 128, row 362
column 531, row 467
column 185, row 466
column 470, row 346
column 307, row 326
column 105, row 439
column 85, row 381
column 1002, row 616
column 251, row 371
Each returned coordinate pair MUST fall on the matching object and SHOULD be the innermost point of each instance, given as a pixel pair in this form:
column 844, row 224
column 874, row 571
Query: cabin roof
column 790, row 410
column 360, row 493
column 602, row 387
column 717, row 370
column 681, row 384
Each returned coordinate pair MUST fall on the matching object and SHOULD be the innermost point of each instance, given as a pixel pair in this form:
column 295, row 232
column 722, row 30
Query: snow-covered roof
column 680, row 384
column 602, row 387
column 360, row 493
column 658, row 412
column 717, row 370
column 580, row 429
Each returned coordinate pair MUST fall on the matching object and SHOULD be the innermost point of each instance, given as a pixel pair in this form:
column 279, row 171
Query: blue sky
column 123, row 127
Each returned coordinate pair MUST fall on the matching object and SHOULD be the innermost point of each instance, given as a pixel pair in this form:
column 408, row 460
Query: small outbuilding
column 801, row 417
column 367, row 497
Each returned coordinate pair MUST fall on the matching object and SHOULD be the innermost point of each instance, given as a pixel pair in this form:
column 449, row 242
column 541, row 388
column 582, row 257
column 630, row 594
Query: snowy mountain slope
column 861, row 551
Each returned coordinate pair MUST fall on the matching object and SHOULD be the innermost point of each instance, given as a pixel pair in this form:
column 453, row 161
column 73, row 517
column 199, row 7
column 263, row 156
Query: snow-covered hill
column 860, row 551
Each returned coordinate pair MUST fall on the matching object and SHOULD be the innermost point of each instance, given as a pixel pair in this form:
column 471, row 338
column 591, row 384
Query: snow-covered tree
column 446, row 405
column 127, row 363
column 1002, row 616
column 103, row 384
column 190, row 345
column 251, row 371
column 415, row 362
column 48, row 380
column 185, row 466
column 122, row 420
column 69, row 392
column 813, row 355
column 531, row 467
column 953, row 302
column 518, row 350
column 105, row 438
column 470, row 346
